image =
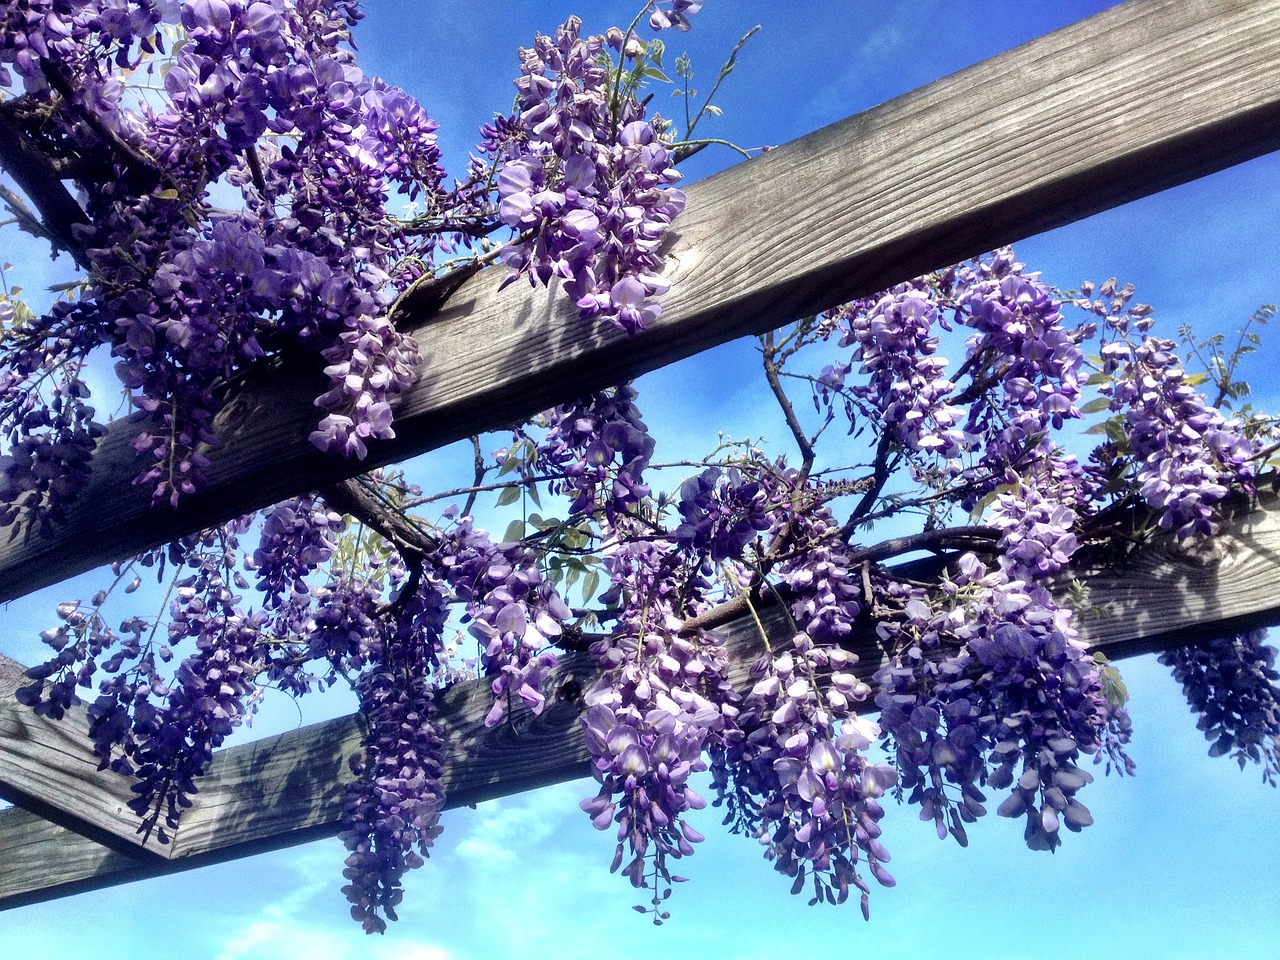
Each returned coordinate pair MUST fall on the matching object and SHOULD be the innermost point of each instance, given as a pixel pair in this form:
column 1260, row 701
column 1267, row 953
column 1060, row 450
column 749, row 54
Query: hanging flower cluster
column 982, row 684
column 265, row 99
column 586, row 180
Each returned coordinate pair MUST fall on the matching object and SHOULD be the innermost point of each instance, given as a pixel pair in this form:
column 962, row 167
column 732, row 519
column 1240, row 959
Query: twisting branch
column 353, row 498
column 35, row 175
column 481, row 470
column 125, row 151
column 943, row 538
column 254, row 163
column 879, row 478
column 772, row 371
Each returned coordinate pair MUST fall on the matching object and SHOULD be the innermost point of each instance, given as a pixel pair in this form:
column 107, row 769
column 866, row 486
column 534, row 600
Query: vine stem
column 732, row 577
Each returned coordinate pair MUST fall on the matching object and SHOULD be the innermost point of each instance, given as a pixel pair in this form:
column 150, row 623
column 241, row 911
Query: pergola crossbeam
column 1139, row 98
column 287, row 789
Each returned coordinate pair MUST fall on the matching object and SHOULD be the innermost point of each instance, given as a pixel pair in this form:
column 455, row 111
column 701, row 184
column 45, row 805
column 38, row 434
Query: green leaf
column 1113, row 686
column 516, row 455
column 1096, row 406
column 514, row 532
column 1097, row 379
column 653, row 73
column 508, row 496
column 590, row 584
column 533, row 493
column 976, row 513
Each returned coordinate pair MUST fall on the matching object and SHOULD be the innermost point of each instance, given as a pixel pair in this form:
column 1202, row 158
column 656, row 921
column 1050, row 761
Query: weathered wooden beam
column 287, row 789
column 43, row 861
column 48, row 767
column 1136, row 99
column 275, row 792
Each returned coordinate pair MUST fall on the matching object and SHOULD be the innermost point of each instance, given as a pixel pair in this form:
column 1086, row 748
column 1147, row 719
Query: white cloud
column 307, row 923
column 501, row 829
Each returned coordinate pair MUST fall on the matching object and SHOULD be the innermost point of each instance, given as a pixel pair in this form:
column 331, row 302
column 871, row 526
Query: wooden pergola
column 1139, row 98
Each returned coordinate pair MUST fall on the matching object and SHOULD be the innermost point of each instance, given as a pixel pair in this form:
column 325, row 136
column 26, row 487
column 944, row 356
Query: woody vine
column 940, row 406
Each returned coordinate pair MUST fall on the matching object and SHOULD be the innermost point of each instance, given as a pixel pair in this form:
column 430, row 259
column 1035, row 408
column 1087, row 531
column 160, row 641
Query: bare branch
column 35, row 174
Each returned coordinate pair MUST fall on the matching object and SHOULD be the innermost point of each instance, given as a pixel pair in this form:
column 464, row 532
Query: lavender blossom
column 1231, row 683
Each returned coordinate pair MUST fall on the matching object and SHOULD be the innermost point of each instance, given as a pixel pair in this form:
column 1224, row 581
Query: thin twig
column 123, row 150
column 724, row 72
column 481, row 470
column 23, row 217
column 979, row 537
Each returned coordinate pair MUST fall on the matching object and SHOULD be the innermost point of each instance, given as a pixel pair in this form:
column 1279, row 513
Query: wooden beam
column 275, row 792
column 1136, row 99
column 44, row 861
column 287, row 789
column 49, row 768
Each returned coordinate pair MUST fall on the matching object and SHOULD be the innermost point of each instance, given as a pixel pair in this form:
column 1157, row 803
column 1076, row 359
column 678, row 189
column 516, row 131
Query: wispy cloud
column 304, row 924
column 503, row 827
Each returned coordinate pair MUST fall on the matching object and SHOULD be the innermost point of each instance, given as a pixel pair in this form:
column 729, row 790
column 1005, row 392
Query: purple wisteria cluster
column 392, row 810
column 896, row 350
column 514, row 613
column 1039, row 514
column 989, row 687
column 1186, row 455
column 162, row 731
column 597, row 449
column 827, row 592
column 797, row 777
column 49, row 430
column 585, row 180
column 794, row 772
column 721, row 512
column 662, row 695
column 1233, row 686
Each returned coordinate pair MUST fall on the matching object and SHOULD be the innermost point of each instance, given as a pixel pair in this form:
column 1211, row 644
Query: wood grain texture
column 48, row 768
column 287, row 789
column 40, row 860
column 1170, row 593
column 1136, row 99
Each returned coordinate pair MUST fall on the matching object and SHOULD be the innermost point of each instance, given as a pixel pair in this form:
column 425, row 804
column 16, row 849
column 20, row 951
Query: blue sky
column 1182, row 859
